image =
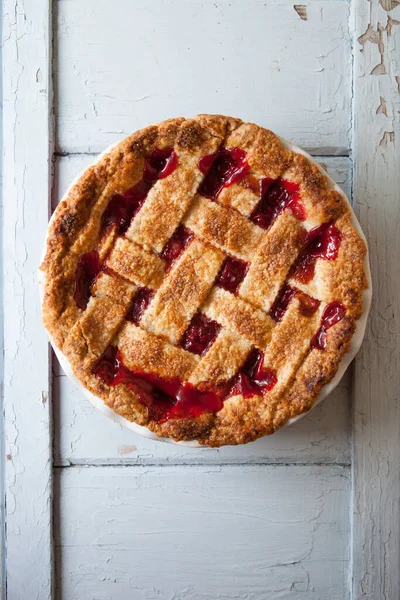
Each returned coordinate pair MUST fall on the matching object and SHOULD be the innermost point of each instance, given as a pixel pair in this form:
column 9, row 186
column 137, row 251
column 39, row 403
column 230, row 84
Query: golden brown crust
column 221, row 227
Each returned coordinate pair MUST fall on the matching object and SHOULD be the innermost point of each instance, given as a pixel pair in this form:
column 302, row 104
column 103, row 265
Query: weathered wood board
column 121, row 69
column 376, row 435
column 265, row 533
column 27, row 100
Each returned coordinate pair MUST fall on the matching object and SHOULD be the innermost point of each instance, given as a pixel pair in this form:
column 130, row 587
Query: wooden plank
column 264, row 533
column 26, row 191
column 145, row 61
column 83, row 435
column 376, row 515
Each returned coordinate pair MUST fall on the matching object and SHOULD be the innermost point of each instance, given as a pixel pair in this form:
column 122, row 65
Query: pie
column 204, row 280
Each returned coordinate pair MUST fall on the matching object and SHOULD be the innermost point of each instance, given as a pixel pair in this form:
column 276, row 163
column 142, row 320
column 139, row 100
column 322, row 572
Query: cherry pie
column 204, row 280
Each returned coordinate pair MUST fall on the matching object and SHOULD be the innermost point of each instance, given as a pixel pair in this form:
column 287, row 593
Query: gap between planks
column 87, row 463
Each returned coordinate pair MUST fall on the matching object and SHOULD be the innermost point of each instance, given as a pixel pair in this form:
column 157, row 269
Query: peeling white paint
column 376, row 460
column 265, row 533
column 26, row 194
column 262, row 63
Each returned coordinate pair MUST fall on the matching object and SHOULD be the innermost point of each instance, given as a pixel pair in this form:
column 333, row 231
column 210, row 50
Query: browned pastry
column 204, row 280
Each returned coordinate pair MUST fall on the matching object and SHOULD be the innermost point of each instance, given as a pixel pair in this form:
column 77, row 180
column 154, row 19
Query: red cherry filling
column 176, row 245
column 322, row 242
column 308, row 305
column 159, row 164
column 123, row 207
column 332, row 314
column 232, row 274
column 281, row 303
column 253, row 378
column 139, row 304
column 192, row 402
column 164, row 398
column 275, row 197
column 222, row 169
column 173, row 399
column 88, row 268
column 154, row 392
column 200, row 334
column 107, row 366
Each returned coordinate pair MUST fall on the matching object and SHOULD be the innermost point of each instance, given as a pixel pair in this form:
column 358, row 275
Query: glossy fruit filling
column 200, row 335
column 282, row 302
column 163, row 398
column 89, row 266
column 123, row 207
column 159, row 164
column 176, row 245
column 333, row 313
column 308, row 305
column 322, row 242
column 253, row 378
column 173, row 399
column 275, row 197
column 140, row 302
column 222, row 169
column 232, row 274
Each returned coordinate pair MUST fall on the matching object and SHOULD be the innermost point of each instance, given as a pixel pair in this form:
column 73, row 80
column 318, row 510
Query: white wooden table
column 93, row 511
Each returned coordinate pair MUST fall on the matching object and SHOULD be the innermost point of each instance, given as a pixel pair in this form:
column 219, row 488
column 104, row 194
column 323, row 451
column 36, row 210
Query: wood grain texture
column 265, row 533
column 26, row 190
column 84, row 435
column 376, row 510
column 122, row 69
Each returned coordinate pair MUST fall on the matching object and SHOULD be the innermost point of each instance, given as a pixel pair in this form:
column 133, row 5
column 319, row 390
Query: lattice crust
column 271, row 263
column 223, row 228
column 143, row 351
column 239, row 317
column 136, row 261
column 170, row 198
column 222, row 361
column 183, row 291
column 343, row 284
column 133, row 263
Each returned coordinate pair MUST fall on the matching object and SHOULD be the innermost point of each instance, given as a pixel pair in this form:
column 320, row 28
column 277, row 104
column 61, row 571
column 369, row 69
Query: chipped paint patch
column 301, row 10
column 122, row 450
column 387, row 138
column 389, row 4
column 382, row 110
column 376, row 36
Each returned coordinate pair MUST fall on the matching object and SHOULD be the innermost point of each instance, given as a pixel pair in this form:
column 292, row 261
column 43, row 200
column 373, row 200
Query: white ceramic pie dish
column 326, row 390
